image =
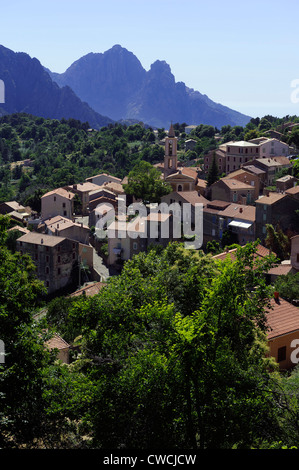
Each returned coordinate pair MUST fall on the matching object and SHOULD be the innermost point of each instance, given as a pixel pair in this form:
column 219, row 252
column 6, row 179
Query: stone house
column 232, row 190
column 239, row 152
column 240, row 219
column 57, row 202
column 63, row 227
column 55, row 258
column 277, row 209
column 285, row 182
column 16, row 211
column 62, row 347
column 185, row 197
column 271, row 166
column 100, row 208
column 83, row 190
column 283, row 329
column 220, row 156
column 212, row 224
column 293, row 192
column 248, row 178
column 127, row 238
column 102, row 178
column 272, row 147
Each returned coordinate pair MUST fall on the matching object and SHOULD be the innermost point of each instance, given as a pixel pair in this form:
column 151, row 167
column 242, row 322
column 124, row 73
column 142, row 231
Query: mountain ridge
column 114, row 83
column 30, row 89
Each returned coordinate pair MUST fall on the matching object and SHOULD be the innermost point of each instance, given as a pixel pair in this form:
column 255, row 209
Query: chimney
column 241, row 209
column 42, row 241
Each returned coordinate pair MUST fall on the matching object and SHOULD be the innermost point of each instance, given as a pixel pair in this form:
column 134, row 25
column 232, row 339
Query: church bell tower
column 170, row 157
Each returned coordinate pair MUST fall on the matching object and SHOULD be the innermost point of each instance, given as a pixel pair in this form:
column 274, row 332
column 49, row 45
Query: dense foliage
column 66, row 152
column 175, row 349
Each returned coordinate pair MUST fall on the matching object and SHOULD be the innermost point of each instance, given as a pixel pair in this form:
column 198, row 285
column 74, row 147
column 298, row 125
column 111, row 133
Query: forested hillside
column 66, row 152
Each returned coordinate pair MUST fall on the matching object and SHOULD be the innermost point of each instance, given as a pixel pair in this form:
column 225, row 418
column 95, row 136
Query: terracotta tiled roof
column 254, row 169
column 282, row 160
column 294, row 190
column 201, row 183
column 235, row 184
column 271, row 199
column 189, row 171
column 282, row 319
column 89, row 290
column 61, row 192
column 19, row 228
column 240, row 211
column 261, row 252
column 103, row 174
column 116, row 188
column 56, row 342
column 193, row 197
column 281, row 270
column 40, row 239
column 217, row 204
column 84, row 187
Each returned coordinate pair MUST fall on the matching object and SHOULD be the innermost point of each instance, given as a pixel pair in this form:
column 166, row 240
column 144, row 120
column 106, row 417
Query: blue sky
column 244, row 55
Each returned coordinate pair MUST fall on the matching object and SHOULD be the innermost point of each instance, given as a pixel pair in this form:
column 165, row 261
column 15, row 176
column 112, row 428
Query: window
column 58, row 271
column 74, row 255
column 135, row 246
column 59, row 258
column 63, row 204
column 47, row 270
column 54, row 198
column 64, row 213
column 281, row 354
column 47, row 259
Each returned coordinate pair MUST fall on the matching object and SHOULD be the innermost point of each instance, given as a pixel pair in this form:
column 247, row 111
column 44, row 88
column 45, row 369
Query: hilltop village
column 153, row 303
column 236, row 209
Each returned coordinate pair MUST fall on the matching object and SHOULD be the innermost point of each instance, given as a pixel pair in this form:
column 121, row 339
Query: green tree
column 145, row 183
column 288, row 286
column 213, row 174
column 177, row 352
column 278, row 242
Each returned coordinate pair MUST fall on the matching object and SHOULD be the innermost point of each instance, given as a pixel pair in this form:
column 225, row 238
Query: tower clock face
column 170, row 141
